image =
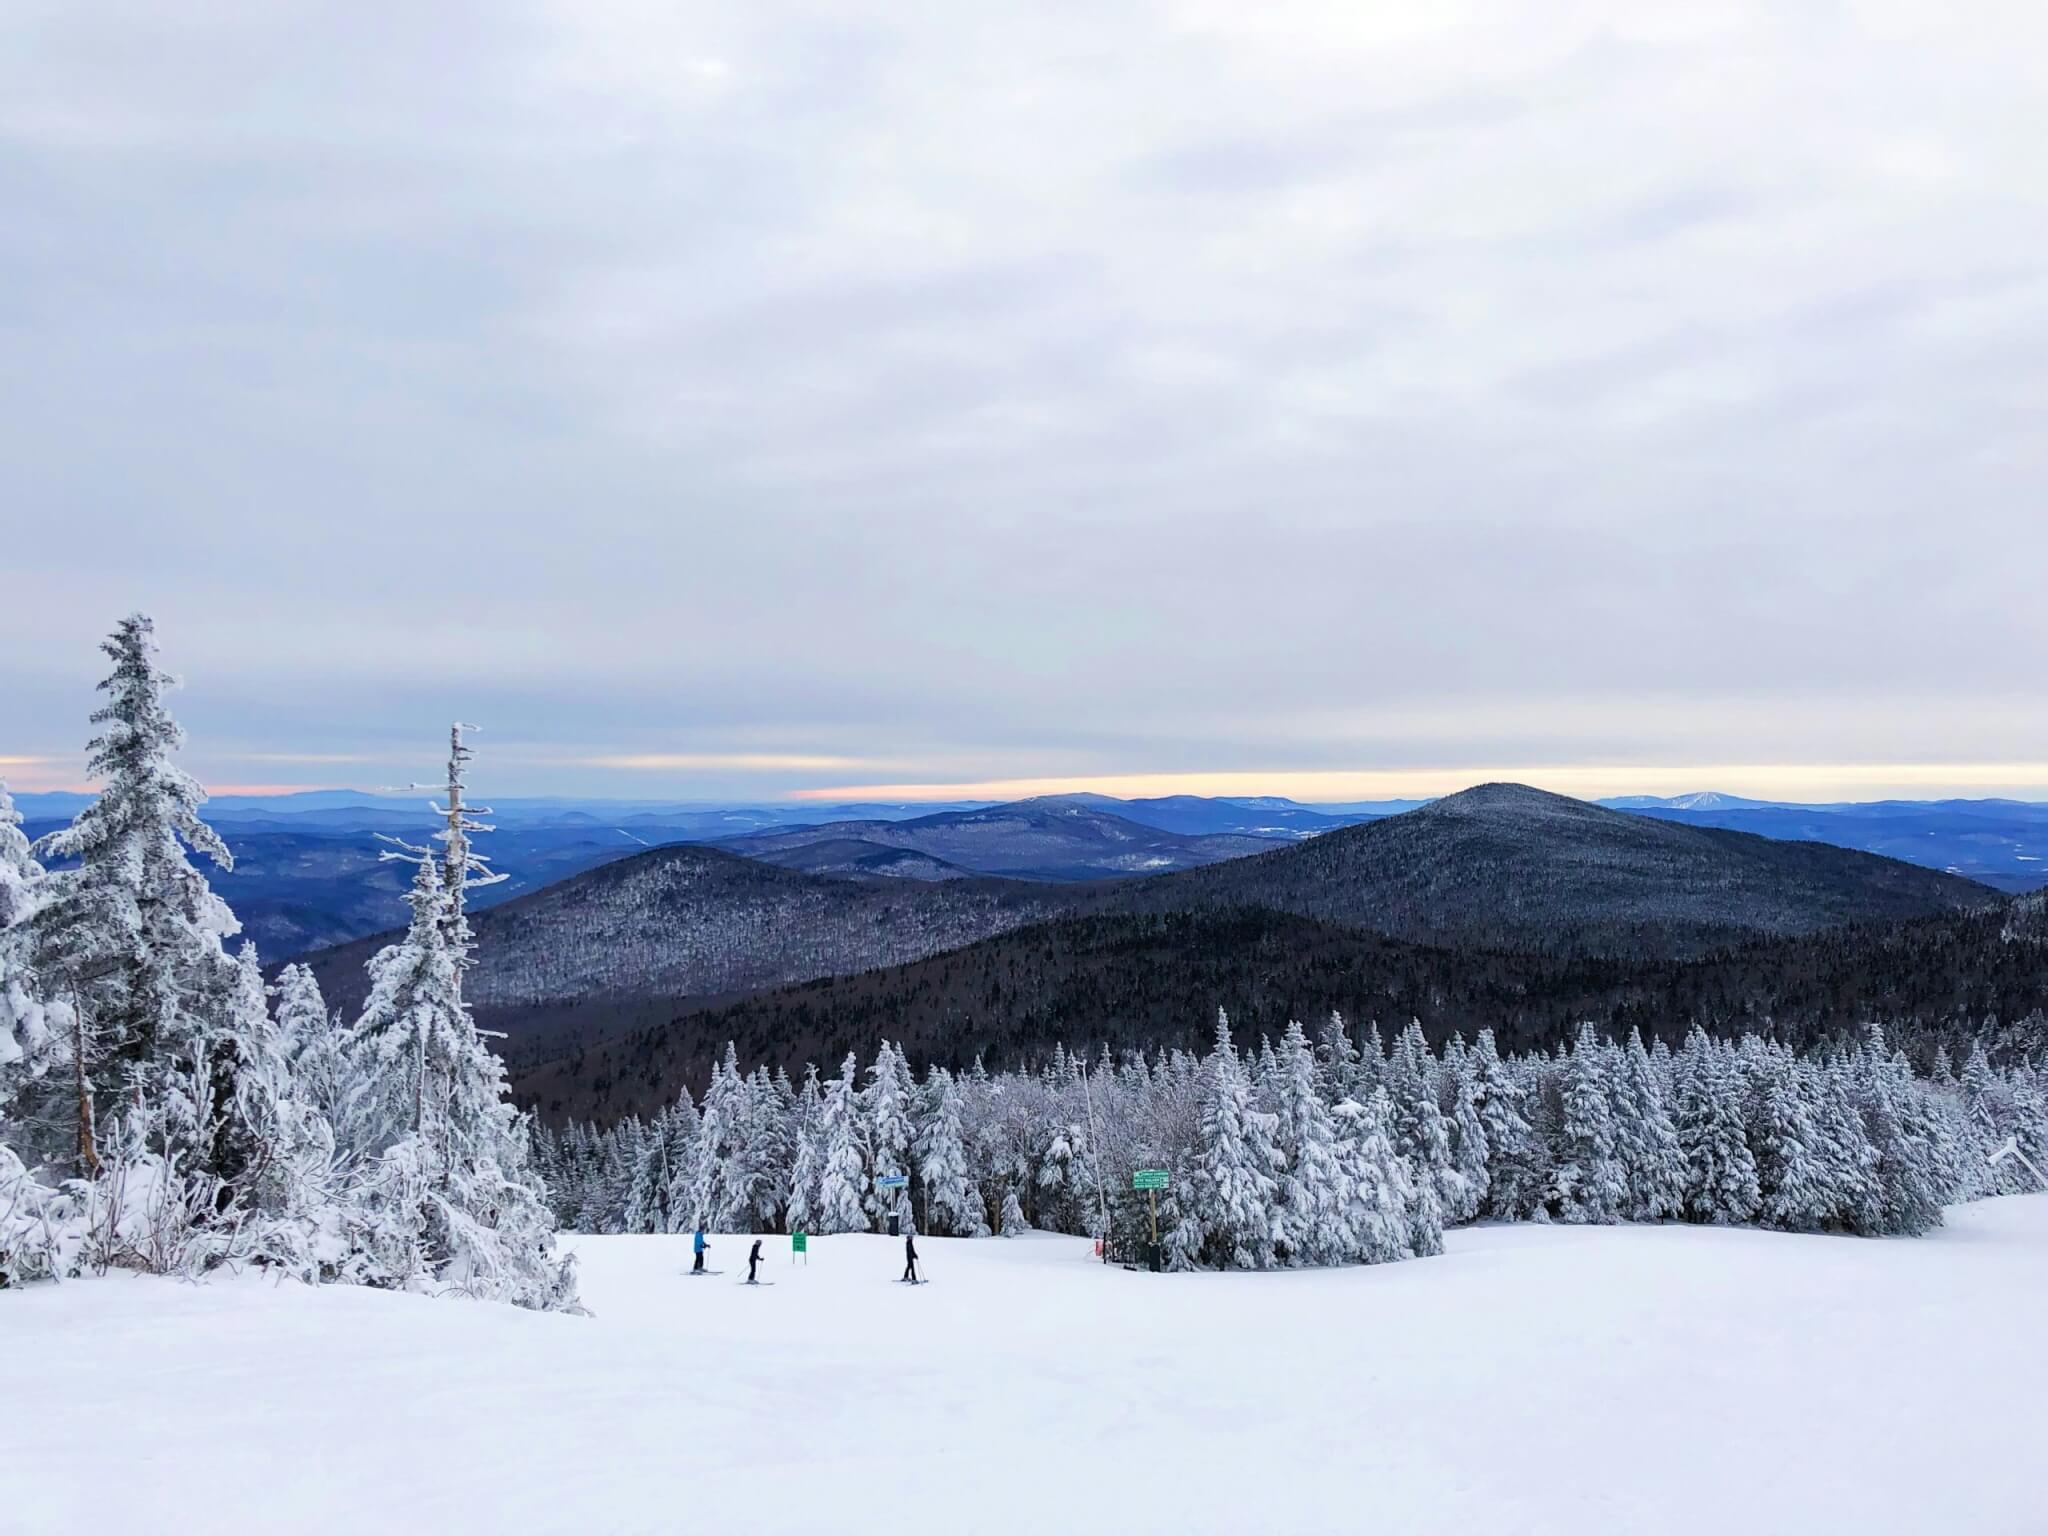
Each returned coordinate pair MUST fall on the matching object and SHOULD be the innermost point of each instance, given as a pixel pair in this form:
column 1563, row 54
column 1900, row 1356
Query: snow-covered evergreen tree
column 1066, row 1169
column 662, row 1166
column 132, row 935
column 771, row 1147
column 842, row 1183
column 462, row 867
column 450, row 1199
column 1794, row 1183
column 1457, row 1096
column 889, row 1134
column 1908, row 1175
column 316, row 1045
column 807, row 1164
column 284, row 1172
column 1645, row 1139
column 1384, row 1214
column 1588, row 1183
column 720, row 1201
column 952, row 1203
column 1337, row 1060
column 1014, row 1223
column 1720, row 1172
column 1420, row 1134
column 1516, row 1178
column 1848, row 1159
column 1317, row 1219
column 32, row 1033
column 1232, row 1194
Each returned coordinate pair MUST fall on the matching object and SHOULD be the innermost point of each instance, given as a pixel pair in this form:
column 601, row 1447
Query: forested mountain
column 1506, row 866
column 1057, row 838
column 669, row 931
column 1155, row 981
column 308, row 869
column 693, row 921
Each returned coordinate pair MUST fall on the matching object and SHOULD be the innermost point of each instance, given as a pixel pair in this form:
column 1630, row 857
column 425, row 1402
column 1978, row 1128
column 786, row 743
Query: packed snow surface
column 1625, row 1379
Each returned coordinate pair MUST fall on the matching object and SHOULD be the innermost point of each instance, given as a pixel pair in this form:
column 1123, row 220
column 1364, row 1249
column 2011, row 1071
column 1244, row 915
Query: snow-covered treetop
column 132, row 755
column 462, row 866
column 133, row 877
column 18, row 867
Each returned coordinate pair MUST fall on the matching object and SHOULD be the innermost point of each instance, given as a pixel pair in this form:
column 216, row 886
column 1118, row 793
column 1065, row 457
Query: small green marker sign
column 1149, row 1178
column 799, row 1242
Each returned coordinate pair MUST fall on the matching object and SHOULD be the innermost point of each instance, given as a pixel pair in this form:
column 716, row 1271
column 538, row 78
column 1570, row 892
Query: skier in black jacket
column 753, row 1261
column 910, row 1257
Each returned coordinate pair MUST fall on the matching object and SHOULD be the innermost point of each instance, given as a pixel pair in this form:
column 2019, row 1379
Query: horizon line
column 1794, row 783
column 1799, row 783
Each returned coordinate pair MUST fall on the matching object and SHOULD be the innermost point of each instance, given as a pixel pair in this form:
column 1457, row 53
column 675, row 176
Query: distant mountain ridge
column 2003, row 843
column 1700, row 800
column 1054, row 838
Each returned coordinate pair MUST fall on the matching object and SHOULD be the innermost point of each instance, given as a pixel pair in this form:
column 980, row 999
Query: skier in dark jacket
column 698, row 1267
column 910, row 1257
column 753, row 1261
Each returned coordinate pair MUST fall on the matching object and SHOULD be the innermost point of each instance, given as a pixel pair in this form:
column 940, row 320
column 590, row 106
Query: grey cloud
column 1127, row 388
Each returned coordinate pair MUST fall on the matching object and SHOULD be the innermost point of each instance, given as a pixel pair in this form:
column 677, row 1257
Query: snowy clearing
column 1533, row 1379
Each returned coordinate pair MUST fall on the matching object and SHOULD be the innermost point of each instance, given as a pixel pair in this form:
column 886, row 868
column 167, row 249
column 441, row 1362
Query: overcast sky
column 745, row 399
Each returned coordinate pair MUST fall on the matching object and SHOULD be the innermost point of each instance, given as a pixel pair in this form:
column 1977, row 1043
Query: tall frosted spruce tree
column 952, row 1202
column 1231, row 1201
column 843, row 1177
column 32, row 1034
column 453, row 1202
column 131, row 937
column 1720, row 1170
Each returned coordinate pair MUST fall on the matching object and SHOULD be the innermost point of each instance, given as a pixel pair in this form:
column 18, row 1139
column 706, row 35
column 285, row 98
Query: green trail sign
column 1151, row 1180
column 799, row 1242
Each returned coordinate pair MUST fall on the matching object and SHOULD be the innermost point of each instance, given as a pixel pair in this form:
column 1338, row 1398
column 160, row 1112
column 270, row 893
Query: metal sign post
column 1095, row 1157
column 893, row 1181
column 1151, row 1180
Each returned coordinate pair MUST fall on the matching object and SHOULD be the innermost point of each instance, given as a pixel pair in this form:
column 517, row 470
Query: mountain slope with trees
column 1510, row 867
column 690, row 920
column 1150, row 982
column 1500, row 867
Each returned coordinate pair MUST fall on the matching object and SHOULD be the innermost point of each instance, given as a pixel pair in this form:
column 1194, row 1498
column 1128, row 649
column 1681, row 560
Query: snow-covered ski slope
column 1607, row 1379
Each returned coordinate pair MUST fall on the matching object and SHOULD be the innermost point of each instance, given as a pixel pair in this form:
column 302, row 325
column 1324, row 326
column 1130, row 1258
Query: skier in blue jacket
column 701, row 1245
